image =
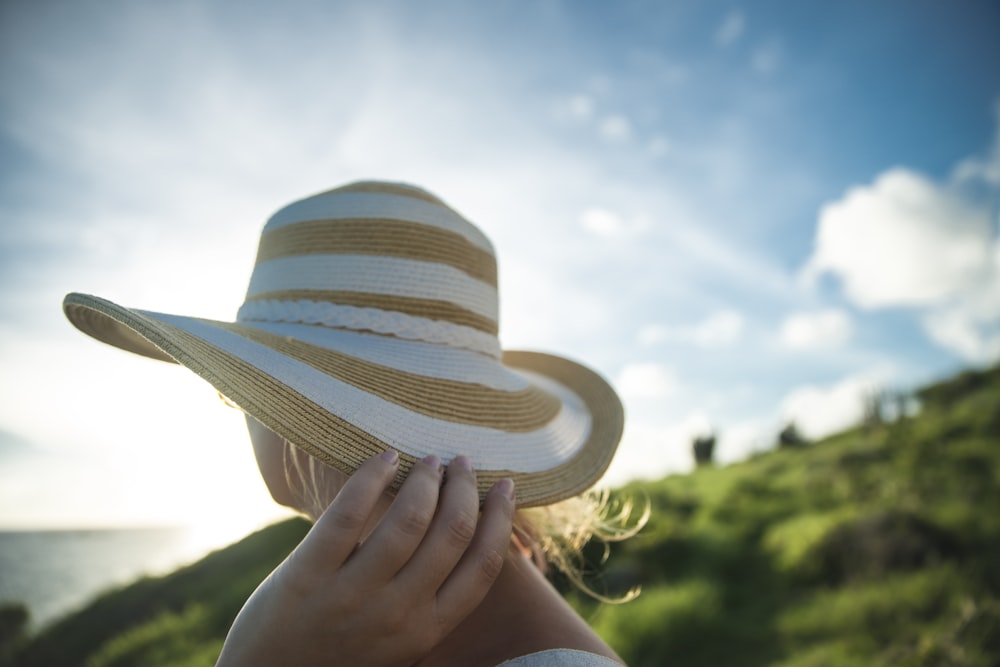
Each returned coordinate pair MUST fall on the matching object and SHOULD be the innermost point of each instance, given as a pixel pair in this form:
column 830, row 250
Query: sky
column 741, row 214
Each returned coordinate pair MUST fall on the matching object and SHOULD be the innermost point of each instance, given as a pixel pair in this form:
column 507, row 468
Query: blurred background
column 745, row 215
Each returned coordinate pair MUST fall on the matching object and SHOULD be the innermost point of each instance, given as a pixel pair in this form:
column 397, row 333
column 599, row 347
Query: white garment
column 561, row 657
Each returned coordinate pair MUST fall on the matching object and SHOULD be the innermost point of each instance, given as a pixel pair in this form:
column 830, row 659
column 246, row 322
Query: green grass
column 877, row 546
column 868, row 548
column 169, row 639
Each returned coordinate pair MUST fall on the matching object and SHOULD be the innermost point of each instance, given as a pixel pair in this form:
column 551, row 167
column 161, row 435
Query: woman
column 380, row 403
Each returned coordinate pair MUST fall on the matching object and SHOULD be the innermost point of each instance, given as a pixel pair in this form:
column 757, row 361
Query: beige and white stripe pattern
column 371, row 322
column 378, row 257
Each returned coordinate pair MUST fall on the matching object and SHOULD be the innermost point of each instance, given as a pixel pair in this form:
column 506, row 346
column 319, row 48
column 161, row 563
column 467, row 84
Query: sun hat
column 371, row 322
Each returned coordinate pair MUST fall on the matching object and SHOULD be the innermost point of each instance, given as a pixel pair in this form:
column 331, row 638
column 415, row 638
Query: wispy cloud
column 610, row 224
column 651, row 450
column 581, row 106
column 985, row 168
column 830, row 327
column 721, row 328
column 645, row 380
column 616, row 128
column 970, row 327
column 767, row 58
column 731, row 29
column 818, row 410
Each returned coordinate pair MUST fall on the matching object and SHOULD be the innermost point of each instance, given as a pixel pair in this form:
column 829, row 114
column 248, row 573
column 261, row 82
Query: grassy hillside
column 878, row 546
column 875, row 547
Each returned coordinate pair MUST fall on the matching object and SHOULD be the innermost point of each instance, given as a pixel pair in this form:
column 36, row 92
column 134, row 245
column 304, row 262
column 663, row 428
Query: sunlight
column 163, row 450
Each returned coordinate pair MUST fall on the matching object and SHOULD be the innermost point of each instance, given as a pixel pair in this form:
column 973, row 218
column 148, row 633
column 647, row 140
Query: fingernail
column 390, row 456
column 463, row 462
column 433, row 462
column 506, row 487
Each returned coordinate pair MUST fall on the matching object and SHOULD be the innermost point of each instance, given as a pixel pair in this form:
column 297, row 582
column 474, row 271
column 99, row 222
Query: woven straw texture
column 371, row 323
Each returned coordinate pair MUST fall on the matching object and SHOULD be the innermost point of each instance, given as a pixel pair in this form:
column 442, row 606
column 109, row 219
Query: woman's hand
column 391, row 598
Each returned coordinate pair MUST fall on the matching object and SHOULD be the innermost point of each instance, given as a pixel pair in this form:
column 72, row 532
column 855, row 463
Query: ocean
column 57, row 571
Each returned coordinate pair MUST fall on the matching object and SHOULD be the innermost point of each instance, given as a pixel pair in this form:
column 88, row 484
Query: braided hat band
column 371, row 322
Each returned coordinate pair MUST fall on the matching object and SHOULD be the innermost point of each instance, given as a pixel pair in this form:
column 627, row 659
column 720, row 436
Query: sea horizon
column 55, row 571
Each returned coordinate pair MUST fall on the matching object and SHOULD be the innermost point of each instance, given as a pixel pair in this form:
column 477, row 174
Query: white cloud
column 731, row 29
column 603, row 222
column 646, row 380
column 824, row 328
column 955, row 330
column 581, row 106
column 903, row 240
column 820, row 411
column 971, row 327
column 658, row 146
column 542, row 301
column 721, row 328
column 766, row 59
column 610, row 224
column 984, row 169
column 906, row 240
column 742, row 439
column 616, row 128
column 650, row 450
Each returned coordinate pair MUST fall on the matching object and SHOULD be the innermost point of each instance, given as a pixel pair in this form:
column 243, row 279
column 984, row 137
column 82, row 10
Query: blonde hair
column 558, row 533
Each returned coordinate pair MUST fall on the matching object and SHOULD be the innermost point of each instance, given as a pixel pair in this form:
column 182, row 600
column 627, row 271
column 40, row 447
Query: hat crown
column 381, row 257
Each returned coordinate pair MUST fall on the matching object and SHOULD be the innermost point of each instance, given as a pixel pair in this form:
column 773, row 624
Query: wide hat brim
column 550, row 424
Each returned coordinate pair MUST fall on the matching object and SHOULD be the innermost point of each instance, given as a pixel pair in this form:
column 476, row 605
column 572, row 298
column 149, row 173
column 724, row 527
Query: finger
column 450, row 533
column 480, row 566
column 339, row 529
column 403, row 527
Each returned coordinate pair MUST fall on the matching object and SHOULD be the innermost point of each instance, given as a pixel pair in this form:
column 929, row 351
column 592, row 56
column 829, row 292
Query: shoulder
column 561, row 658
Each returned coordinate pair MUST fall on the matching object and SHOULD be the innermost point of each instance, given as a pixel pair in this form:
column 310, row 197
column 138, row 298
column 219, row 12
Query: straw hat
column 371, row 323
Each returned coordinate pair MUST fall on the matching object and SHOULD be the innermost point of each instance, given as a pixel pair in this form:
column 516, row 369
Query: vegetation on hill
column 878, row 546
column 178, row 619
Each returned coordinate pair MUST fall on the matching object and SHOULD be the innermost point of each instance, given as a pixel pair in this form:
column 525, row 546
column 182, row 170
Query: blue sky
column 741, row 214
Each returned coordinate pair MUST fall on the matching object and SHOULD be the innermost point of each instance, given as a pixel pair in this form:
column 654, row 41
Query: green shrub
column 793, row 542
column 661, row 623
column 14, row 618
column 880, row 543
column 880, row 610
column 169, row 640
